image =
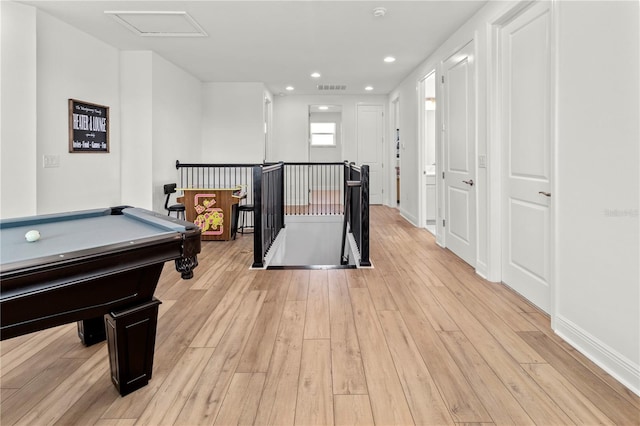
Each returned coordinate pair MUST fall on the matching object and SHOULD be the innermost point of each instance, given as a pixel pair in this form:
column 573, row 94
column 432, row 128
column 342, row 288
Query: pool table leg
column 131, row 338
column 91, row 331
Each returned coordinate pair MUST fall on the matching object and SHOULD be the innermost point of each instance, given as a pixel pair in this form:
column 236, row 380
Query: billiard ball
column 32, row 235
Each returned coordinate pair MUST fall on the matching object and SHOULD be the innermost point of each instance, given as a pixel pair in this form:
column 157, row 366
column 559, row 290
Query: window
column 323, row 134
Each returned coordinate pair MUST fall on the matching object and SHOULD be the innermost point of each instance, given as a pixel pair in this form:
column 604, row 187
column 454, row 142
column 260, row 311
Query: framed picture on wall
column 88, row 127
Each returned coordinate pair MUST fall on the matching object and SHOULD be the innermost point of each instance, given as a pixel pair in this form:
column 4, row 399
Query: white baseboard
column 621, row 368
column 481, row 269
column 409, row 217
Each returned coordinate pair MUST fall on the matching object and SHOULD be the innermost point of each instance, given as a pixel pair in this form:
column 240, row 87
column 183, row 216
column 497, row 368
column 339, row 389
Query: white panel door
column 370, row 143
column 459, row 146
column 526, row 112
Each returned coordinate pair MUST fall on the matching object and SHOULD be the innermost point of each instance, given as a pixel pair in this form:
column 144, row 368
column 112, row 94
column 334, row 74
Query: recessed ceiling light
column 368, row 88
column 379, row 12
column 315, row 75
column 389, row 59
column 323, row 107
column 289, row 88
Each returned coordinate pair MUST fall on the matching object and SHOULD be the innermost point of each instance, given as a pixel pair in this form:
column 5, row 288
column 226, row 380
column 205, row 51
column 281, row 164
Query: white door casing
column 370, row 147
column 394, row 174
column 526, row 111
column 459, row 150
column 267, row 129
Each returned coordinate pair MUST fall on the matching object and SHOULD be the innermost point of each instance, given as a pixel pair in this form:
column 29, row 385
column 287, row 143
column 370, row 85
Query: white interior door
column 460, row 145
column 526, row 112
column 370, row 147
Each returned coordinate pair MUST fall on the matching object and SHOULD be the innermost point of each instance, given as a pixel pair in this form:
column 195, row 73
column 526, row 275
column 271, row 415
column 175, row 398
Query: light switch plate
column 482, row 161
column 50, row 161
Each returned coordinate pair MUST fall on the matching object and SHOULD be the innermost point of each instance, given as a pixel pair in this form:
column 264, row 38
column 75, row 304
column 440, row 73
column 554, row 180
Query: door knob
column 468, row 182
column 546, row 194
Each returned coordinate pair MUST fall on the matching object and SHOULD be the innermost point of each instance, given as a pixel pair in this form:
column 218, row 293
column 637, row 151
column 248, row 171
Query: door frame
column 496, row 146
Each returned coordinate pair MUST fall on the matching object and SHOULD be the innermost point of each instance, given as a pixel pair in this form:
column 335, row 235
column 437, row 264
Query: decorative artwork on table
column 88, row 127
column 210, row 219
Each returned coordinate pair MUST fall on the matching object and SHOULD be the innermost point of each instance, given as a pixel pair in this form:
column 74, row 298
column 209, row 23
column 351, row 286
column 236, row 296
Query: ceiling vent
column 159, row 23
column 332, row 87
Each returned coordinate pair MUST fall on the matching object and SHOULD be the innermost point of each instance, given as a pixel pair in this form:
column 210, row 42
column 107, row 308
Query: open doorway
column 429, row 207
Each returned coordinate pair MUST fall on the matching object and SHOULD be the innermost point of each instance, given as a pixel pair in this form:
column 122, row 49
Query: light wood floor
column 418, row 339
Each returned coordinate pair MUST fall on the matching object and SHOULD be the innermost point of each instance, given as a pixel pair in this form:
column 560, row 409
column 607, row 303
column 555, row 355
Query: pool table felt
column 70, row 234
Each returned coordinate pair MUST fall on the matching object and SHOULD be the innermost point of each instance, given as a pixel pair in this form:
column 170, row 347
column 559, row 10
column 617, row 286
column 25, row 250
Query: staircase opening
column 305, row 215
column 310, row 242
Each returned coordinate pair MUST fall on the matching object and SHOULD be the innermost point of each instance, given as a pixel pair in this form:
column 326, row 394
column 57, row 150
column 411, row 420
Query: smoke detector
column 379, row 12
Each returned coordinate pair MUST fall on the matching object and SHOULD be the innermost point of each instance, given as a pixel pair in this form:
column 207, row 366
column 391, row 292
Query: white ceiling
column 281, row 43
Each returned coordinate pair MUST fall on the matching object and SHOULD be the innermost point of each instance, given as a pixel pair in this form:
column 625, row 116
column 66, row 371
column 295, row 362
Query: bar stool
column 243, row 210
column 169, row 189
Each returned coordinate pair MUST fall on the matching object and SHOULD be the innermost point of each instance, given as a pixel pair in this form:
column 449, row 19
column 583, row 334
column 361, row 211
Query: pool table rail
column 37, row 297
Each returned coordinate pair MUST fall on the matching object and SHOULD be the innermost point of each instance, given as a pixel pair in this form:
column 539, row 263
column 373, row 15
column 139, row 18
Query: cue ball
column 32, row 236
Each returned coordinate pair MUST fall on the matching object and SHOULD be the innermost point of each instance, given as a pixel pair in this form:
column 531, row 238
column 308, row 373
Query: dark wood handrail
column 185, row 165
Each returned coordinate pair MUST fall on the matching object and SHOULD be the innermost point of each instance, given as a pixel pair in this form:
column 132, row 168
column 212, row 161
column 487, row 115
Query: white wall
column 161, row 123
column 136, row 96
column 18, row 162
column 290, row 128
column 291, row 120
column 233, row 123
column 176, row 123
column 71, row 64
column 598, row 176
column 327, row 154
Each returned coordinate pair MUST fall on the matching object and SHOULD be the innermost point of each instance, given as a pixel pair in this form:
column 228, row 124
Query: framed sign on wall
column 88, row 127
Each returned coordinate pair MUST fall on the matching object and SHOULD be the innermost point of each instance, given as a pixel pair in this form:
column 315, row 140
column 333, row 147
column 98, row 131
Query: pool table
column 97, row 267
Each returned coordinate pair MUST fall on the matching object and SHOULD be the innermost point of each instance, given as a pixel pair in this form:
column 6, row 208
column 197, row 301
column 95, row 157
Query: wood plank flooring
column 418, row 339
